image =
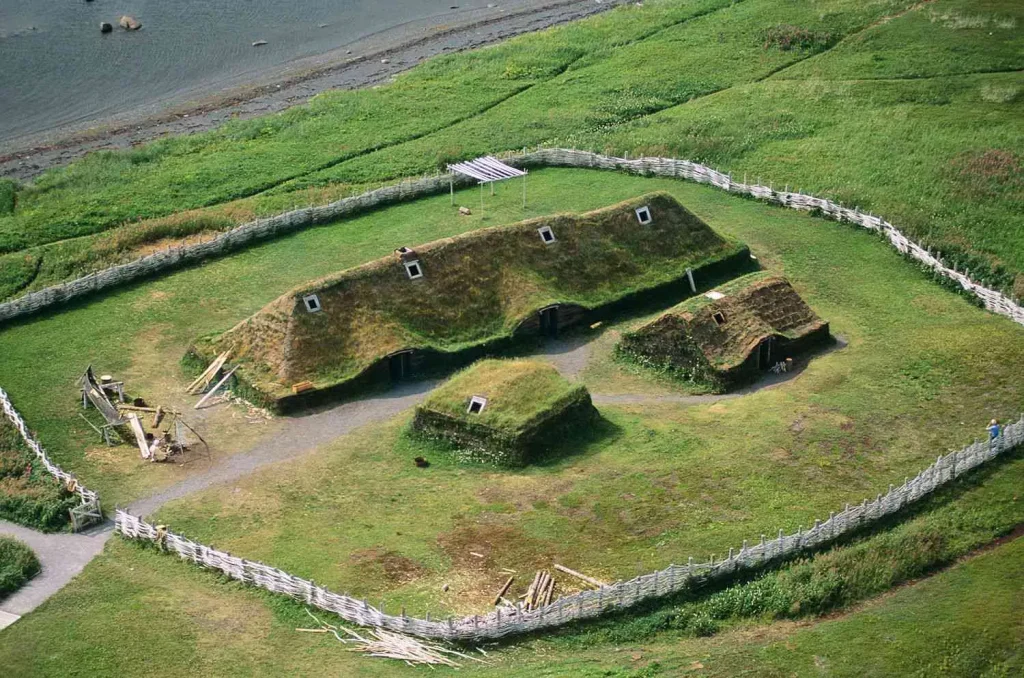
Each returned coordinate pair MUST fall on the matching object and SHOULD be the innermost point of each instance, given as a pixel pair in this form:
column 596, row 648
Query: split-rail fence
column 588, row 604
column 260, row 229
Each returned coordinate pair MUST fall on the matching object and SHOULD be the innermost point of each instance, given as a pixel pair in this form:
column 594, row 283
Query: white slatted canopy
column 486, row 170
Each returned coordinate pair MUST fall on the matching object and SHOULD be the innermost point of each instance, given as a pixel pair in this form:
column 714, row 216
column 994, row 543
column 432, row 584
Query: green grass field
column 920, row 359
column 135, row 611
column 912, row 110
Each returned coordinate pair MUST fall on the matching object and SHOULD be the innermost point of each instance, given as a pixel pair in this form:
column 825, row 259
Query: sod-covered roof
column 476, row 287
column 749, row 309
column 519, row 393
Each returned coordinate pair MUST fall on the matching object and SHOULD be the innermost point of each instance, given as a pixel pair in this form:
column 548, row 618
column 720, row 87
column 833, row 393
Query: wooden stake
column 157, row 416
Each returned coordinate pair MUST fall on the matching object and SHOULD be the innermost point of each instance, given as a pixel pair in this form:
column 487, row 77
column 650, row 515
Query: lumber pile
column 540, row 591
column 391, row 645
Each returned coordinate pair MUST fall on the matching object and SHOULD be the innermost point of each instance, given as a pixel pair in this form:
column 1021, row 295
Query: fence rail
column 558, row 157
column 90, row 501
column 588, row 604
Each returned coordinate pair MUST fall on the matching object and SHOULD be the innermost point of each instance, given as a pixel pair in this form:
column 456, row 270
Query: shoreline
column 370, row 61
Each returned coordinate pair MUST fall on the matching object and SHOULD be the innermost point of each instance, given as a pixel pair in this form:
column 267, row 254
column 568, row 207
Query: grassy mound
column 28, row 495
column 477, row 288
column 729, row 334
column 527, row 404
column 17, row 565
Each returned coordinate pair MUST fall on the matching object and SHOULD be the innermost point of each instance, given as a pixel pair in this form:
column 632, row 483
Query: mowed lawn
column 912, row 110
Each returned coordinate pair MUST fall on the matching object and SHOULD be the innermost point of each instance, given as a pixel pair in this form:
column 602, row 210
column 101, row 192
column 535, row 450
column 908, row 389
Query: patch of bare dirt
column 395, row 568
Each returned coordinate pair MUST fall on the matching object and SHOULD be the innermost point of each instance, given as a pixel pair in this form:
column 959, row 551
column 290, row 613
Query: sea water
column 57, row 69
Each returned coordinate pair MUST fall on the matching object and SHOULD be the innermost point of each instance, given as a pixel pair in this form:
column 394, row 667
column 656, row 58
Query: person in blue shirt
column 993, row 429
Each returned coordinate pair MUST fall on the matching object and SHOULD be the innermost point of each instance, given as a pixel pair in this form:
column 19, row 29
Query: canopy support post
column 524, row 191
column 481, row 201
column 451, row 188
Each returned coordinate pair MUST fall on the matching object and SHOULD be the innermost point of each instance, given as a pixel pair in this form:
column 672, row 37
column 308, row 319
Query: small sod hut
column 504, row 412
column 730, row 334
column 436, row 306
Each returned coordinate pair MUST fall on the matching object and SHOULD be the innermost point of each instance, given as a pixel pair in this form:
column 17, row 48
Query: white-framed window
column 643, row 215
column 414, row 269
column 718, row 317
column 476, row 405
column 312, row 303
column 546, row 234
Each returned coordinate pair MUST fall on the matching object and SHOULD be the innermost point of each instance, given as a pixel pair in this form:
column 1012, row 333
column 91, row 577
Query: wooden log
column 590, row 580
column 503, row 591
column 550, row 591
column 216, row 387
column 157, row 416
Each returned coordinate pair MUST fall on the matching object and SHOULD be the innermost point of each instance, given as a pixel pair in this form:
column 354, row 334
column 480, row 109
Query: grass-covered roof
column 749, row 309
column 476, row 287
column 518, row 393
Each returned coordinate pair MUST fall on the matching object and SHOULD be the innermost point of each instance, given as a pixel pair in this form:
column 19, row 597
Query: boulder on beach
column 105, row 27
column 129, row 23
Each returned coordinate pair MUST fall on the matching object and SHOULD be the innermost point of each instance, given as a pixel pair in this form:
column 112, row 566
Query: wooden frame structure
column 486, row 170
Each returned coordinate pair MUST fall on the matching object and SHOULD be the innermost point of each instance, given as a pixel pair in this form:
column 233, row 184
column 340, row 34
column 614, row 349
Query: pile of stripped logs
column 540, row 591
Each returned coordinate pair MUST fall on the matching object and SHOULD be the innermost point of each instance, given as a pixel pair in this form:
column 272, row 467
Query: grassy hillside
column 475, row 288
column 912, row 110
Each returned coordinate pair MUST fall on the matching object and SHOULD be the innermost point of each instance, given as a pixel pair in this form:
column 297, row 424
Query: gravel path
column 62, row 556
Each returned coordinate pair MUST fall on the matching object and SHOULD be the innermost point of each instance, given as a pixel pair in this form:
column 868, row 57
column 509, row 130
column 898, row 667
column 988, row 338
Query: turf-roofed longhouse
column 426, row 303
column 504, row 412
column 730, row 334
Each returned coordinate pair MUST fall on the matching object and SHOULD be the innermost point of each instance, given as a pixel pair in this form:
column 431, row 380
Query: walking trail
column 64, row 555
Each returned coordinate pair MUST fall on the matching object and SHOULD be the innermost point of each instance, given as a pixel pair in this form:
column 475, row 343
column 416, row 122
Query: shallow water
column 56, row 68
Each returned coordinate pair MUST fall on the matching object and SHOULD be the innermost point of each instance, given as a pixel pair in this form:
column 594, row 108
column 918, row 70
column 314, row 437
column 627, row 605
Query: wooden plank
column 203, row 379
column 216, row 387
column 140, row 435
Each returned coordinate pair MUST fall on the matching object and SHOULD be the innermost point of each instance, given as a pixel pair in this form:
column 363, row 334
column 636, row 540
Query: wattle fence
column 588, row 604
column 89, row 510
column 262, row 229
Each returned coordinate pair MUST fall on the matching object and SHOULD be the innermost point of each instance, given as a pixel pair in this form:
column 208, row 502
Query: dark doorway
column 549, row 322
column 764, row 354
column 401, row 365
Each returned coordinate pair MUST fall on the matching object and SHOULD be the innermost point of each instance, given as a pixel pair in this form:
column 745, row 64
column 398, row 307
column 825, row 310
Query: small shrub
column 787, row 37
column 8, row 196
column 17, row 565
